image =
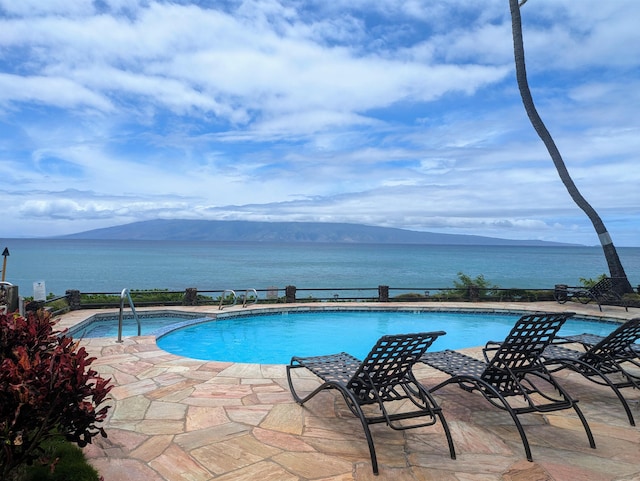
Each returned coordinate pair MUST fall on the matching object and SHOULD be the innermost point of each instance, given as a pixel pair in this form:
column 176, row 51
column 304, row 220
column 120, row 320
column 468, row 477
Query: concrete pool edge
column 181, row 316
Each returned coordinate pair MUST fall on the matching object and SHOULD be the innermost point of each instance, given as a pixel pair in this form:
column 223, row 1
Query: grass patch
column 63, row 461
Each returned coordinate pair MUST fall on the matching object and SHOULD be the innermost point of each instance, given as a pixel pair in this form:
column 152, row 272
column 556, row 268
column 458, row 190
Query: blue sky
column 394, row 113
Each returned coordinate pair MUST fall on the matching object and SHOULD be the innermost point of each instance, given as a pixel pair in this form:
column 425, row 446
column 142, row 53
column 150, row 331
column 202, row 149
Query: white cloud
column 34, row 8
column 52, row 91
column 392, row 113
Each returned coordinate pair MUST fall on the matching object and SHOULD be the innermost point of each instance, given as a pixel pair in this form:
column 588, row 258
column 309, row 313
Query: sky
column 395, row 113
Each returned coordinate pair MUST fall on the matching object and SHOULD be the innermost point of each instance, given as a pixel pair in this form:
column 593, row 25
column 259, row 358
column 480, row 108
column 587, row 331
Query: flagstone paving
column 179, row 419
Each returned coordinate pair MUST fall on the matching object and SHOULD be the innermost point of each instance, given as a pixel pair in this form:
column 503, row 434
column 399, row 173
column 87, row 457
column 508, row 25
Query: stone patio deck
column 179, row 419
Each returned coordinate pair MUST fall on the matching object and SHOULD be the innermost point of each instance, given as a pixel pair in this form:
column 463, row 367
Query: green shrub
column 152, row 296
column 65, row 462
column 465, row 284
column 589, row 282
column 107, row 299
column 410, row 296
column 156, row 295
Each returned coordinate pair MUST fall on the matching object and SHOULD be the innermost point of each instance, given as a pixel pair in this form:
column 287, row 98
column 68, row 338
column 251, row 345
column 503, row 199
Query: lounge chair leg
column 617, row 392
column 523, row 436
column 357, row 410
column 372, row 449
column 625, row 405
column 578, row 366
column 516, row 421
column 587, row 429
column 447, row 433
column 301, row 400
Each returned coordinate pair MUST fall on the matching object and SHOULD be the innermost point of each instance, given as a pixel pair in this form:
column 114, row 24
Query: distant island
column 249, row 231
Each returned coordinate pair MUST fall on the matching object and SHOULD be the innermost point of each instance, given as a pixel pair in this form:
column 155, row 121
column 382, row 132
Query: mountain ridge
column 309, row 232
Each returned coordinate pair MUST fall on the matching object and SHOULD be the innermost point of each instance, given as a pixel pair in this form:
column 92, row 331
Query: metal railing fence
column 74, row 299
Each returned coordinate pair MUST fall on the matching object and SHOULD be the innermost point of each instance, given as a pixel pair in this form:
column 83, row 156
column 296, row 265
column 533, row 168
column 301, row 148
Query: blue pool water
column 107, row 325
column 274, row 338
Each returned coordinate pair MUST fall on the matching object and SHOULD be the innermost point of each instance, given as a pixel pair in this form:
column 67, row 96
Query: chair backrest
column 606, row 287
column 388, row 364
column 519, row 353
column 616, row 345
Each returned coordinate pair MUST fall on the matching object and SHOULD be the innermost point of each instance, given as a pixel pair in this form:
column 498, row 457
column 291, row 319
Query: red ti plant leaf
column 47, row 387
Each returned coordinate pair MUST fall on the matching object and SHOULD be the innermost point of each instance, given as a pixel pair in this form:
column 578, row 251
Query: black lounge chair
column 605, row 291
column 604, row 360
column 588, row 340
column 385, row 376
column 511, row 370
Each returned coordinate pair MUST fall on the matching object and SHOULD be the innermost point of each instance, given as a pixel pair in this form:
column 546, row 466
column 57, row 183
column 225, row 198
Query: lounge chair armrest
column 561, row 340
column 490, row 347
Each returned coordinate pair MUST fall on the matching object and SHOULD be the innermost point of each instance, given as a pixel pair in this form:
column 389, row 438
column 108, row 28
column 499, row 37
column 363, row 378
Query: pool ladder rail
column 234, row 297
column 126, row 295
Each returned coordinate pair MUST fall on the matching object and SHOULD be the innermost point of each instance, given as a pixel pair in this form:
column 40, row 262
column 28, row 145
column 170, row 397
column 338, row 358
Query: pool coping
column 199, row 317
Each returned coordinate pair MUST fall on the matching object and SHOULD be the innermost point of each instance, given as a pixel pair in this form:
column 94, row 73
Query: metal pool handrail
column 246, row 298
column 125, row 294
column 235, row 298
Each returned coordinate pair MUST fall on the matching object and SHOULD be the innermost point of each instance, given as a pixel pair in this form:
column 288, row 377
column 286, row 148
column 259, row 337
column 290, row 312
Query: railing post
column 383, row 293
column 190, row 297
column 290, row 294
column 73, row 299
column 474, row 293
column 9, row 297
column 560, row 292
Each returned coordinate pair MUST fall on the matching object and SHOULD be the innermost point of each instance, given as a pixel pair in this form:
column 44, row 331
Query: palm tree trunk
column 611, row 254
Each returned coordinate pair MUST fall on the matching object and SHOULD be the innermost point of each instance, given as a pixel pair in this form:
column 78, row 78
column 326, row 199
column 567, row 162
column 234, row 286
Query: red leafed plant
column 47, row 388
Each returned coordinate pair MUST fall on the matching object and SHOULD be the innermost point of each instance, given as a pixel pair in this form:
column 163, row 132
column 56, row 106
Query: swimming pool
column 273, row 338
column 106, row 325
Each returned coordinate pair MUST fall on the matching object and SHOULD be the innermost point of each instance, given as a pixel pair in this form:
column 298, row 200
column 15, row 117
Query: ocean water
column 110, row 266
